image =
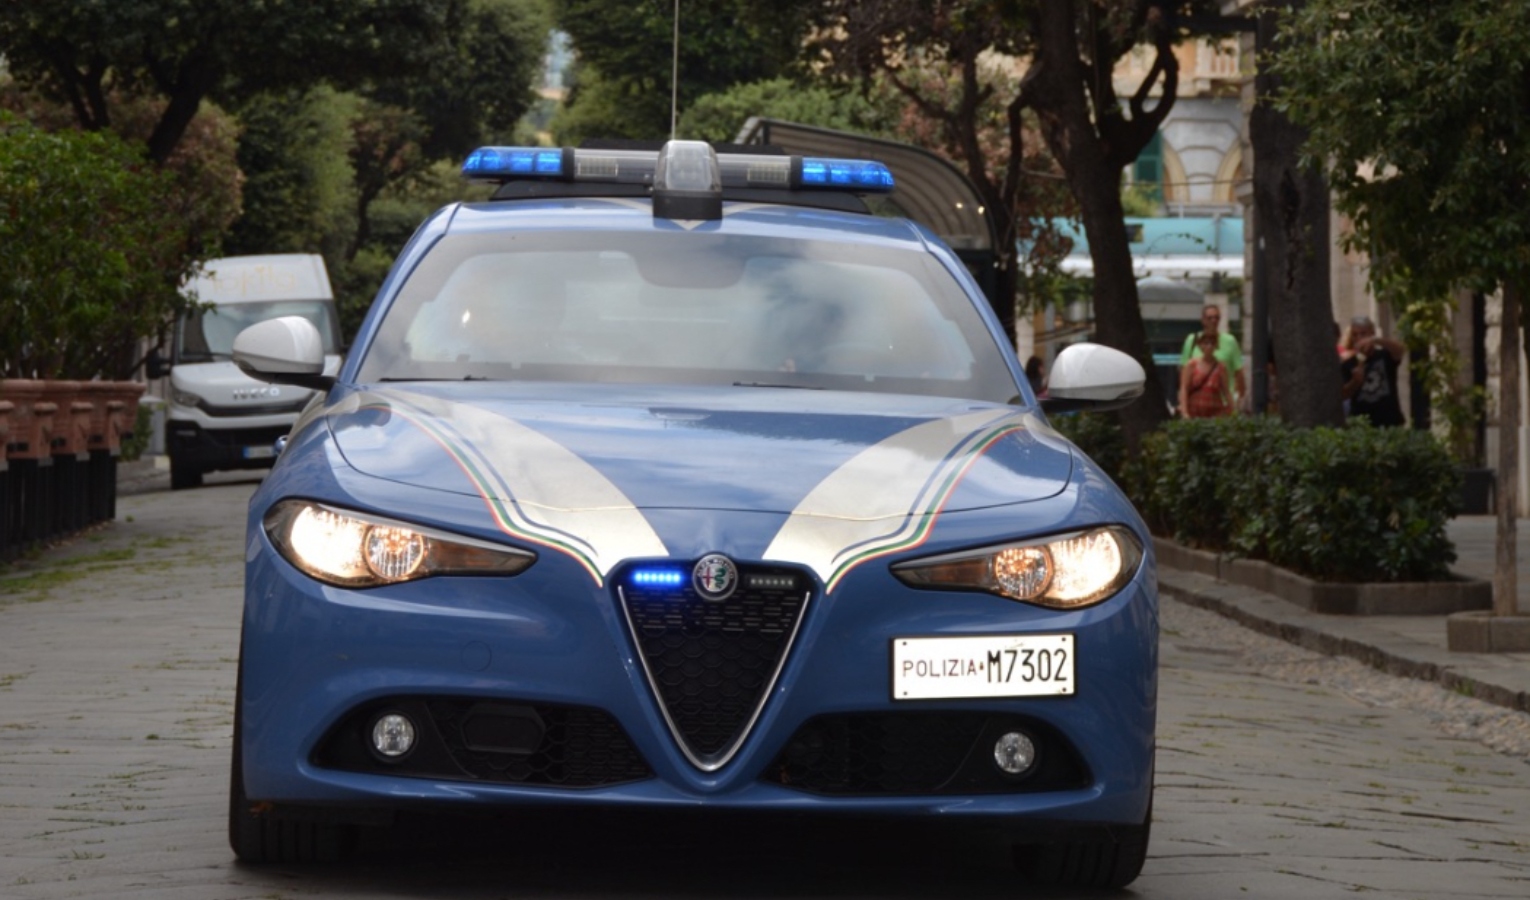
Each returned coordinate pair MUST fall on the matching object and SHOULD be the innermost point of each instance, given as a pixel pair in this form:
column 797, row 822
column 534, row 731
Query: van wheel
column 1101, row 863
column 257, row 834
column 184, row 475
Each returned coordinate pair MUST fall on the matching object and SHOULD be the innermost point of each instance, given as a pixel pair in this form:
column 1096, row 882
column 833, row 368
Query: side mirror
column 288, row 350
column 1093, row 377
column 156, row 366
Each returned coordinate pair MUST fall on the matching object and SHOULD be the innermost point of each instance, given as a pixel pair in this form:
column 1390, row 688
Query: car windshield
column 688, row 308
column 208, row 334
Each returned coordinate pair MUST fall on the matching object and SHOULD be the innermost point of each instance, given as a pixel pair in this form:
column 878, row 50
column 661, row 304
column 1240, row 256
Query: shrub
column 92, row 253
column 1351, row 504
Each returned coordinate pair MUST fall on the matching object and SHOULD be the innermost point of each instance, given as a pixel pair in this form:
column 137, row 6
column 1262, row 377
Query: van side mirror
column 155, row 365
column 288, row 350
column 1093, row 377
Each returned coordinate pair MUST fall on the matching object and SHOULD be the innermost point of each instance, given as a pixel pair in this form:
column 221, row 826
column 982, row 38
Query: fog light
column 1014, row 753
column 392, row 735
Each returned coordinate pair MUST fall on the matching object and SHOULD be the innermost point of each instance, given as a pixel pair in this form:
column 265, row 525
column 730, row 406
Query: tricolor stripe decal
column 884, row 500
column 568, row 505
column 898, row 488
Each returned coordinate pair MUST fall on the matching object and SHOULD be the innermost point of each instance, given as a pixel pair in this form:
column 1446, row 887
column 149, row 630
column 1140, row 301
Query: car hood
column 606, row 473
column 586, row 448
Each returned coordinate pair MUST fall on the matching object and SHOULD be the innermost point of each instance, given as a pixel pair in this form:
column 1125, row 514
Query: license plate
column 1029, row 665
column 265, row 452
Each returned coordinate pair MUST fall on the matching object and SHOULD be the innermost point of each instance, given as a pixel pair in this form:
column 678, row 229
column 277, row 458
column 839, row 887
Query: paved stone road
column 1281, row 774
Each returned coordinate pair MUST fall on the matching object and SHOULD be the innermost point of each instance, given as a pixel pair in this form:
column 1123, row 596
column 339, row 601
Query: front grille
column 711, row 663
column 894, row 754
column 467, row 739
column 252, row 409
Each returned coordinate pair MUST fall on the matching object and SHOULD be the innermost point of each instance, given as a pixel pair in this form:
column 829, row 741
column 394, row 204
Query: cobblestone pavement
column 1282, row 773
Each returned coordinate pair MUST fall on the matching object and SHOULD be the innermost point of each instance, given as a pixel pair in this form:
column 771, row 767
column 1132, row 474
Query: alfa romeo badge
column 715, row 577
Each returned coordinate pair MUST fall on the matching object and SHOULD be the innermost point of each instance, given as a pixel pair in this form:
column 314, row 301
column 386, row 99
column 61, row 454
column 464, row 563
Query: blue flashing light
column 707, row 172
column 657, row 577
column 501, row 163
column 847, row 174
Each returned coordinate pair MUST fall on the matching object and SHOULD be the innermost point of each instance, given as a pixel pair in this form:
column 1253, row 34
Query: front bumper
column 189, row 444
column 318, row 663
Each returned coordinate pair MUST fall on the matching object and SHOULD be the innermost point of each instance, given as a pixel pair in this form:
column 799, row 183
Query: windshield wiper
column 767, row 384
column 463, row 378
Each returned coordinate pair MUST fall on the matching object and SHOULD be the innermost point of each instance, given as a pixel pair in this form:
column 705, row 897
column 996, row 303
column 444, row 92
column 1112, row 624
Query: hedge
column 1354, row 504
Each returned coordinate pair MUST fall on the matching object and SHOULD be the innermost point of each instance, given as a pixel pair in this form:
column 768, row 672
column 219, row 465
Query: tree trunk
column 1506, row 567
column 1056, row 93
column 196, row 78
column 1291, row 208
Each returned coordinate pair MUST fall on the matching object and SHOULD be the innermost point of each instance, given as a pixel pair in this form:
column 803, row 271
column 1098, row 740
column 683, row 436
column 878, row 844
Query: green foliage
column 83, row 53
column 134, row 445
column 1352, row 505
column 351, row 174
column 1141, row 200
column 298, row 190
column 624, row 76
column 1418, row 112
column 395, row 215
column 719, row 116
column 1100, row 436
column 1427, row 325
column 93, row 248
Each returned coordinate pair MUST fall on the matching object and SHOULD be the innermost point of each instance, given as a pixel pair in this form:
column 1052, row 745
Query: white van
column 217, row 417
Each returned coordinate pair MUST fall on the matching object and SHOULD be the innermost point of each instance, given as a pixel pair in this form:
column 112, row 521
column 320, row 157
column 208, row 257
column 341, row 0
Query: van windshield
column 208, row 334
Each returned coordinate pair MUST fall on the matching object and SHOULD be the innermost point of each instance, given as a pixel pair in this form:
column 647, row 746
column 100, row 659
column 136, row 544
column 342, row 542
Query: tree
column 625, row 51
column 1420, row 113
column 320, row 161
column 1068, row 50
column 299, row 188
column 1291, row 210
column 719, row 116
column 93, row 250
column 953, row 64
column 90, row 53
column 204, row 171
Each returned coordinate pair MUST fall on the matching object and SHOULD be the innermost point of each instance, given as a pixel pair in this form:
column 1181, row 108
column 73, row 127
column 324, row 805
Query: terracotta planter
column 114, row 412
column 71, row 421
column 31, row 418
column 7, row 508
column 5, row 433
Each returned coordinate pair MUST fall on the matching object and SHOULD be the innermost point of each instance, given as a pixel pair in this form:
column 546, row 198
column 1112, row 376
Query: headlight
column 349, row 549
column 1065, row 572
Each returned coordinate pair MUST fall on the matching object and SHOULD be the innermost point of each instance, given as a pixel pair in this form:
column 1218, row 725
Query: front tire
column 1110, row 862
column 184, row 475
column 257, row 834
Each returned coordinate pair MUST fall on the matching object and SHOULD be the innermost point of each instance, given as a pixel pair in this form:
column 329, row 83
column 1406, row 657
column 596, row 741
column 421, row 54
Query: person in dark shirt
column 1369, row 370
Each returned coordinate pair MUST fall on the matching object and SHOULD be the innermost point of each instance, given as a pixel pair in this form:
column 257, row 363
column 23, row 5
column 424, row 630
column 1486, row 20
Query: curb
column 1349, row 636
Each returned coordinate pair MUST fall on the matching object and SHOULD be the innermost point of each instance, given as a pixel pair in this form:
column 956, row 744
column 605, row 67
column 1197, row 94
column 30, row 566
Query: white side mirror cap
column 287, row 350
column 1093, row 376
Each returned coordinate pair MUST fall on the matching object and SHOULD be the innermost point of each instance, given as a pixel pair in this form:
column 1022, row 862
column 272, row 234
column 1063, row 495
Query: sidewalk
column 149, row 473
column 1410, row 646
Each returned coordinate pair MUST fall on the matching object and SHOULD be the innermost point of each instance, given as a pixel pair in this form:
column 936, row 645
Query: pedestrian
column 1369, row 371
column 1204, row 386
column 1036, row 374
column 1228, row 351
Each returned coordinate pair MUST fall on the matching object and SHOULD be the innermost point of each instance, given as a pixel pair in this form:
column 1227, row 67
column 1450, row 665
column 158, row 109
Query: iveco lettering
column 675, row 479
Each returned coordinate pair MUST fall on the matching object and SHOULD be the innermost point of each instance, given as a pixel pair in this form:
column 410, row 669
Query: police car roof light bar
column 735, row 170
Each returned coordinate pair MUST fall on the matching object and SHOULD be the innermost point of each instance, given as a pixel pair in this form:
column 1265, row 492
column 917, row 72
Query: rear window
column 687, row 308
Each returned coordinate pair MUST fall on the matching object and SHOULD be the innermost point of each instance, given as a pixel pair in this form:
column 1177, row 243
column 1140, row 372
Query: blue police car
column 673, row 479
